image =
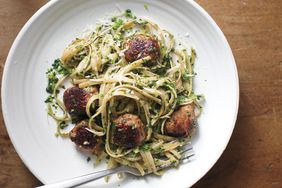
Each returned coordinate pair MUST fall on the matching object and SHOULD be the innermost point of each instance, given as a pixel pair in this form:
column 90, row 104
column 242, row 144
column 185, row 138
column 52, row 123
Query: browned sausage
column 84, row 139
column 128, row 131
column 75, row 100
column 180, row 123
column 140, row 46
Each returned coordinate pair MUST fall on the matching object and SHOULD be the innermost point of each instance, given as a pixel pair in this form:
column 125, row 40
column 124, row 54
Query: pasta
column 128, row 72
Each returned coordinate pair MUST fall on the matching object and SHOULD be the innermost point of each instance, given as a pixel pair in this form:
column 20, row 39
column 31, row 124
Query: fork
column 80, row 180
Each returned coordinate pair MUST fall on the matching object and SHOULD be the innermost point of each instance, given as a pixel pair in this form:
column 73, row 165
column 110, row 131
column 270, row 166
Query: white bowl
column 43, row 39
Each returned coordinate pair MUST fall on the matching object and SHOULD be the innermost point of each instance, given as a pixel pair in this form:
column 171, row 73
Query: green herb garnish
column 117, row 24
column 186, row 76
column 113, row 61
column 114, row 19
column 128, row 14
column 57, row 65
column 52, row 81
column 181, row 99
column 146, row 6
column 88, row 159
column 160, row 150
column 49, row 99
column 63, row 125
column 52, row 75
column 145, row 147
column 167, row 58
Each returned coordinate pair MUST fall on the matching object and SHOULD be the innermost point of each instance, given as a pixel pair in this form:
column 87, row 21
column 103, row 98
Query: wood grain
column 13, row 15
column 253, row 157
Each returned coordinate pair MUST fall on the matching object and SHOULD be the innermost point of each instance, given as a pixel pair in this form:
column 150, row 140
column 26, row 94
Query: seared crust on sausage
column 180, row 123
column 140, row 46
column 128, row 131
column 85, row 140
column 75, row 100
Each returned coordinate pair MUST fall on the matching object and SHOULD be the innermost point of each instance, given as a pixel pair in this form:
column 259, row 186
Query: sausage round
column 180, row 123
column 85, row 140
column 140, row 46
column 75, row 100
column 128, row 131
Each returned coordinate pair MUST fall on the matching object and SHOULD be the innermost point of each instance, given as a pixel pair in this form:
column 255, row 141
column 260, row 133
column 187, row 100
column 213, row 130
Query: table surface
column 253, row 155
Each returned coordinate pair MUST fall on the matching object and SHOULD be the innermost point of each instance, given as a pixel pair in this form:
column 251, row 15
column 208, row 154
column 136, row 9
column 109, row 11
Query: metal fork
column 73, row 182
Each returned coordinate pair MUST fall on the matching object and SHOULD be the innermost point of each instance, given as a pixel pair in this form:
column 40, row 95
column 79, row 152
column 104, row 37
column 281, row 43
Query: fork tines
column 187, row 153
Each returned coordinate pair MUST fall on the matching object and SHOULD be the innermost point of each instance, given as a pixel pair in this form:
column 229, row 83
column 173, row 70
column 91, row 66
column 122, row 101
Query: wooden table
column 253, row 156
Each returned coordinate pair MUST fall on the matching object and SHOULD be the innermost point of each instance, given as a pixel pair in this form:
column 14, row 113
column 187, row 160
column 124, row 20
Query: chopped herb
column 141, row 22
column 79, row 47
column 122, row 31
column 181, row 99
column 149, row 125
column 145, row 147
column 146, row 6
column 52, row 73
column 174, row 162
column 132, row 154
column 186, row 76
column 49, row 70
column 56, row 63
column 160, row 150
column 63, row 125
column 199, row 97
column 113, row 61
column 49, row 99
column 62, row 70
column 114, row 19
column 117, row 37
column 117, row 24
column 160, row 71
column 170, row 84
column 113, row 125
column 52, row 81
column 55, row 106
column 167, row 58
column 88, row 159
column 128, row 14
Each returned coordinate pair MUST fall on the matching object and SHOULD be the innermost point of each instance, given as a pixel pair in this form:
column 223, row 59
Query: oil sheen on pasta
column 131, row 98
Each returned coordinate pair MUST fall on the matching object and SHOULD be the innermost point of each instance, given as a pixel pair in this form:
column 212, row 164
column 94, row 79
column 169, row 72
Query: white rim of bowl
column 53, row 3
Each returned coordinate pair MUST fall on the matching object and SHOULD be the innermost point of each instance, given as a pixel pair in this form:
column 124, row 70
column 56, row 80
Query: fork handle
column 83, row 179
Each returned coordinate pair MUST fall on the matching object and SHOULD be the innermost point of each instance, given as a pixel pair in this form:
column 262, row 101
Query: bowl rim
column 52, row 3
